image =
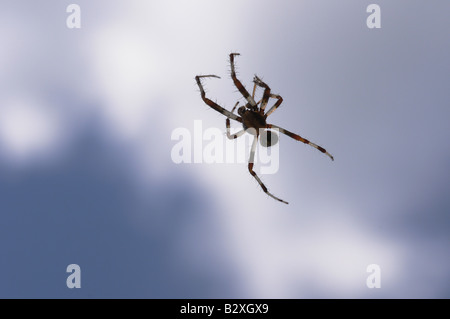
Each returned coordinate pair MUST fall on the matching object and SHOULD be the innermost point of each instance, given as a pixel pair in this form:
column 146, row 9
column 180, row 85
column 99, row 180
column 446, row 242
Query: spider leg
column 212, row 104
column 227, row 123
column 301, row 139
column 267, row 94
column 234, row 107
column 239, row 85
column 235, row 135
column 252, row 172
column 253, row 93
column 276, row 105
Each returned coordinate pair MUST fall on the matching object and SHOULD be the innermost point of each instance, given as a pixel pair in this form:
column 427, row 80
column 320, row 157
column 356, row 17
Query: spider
column 253, row 118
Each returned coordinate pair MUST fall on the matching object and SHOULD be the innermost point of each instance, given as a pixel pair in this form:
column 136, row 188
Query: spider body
column 255, row 123
column 253, row 118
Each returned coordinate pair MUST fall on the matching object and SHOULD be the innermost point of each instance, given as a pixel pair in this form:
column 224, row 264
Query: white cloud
column 285, row 253
column 28, row 128
column 125, row 73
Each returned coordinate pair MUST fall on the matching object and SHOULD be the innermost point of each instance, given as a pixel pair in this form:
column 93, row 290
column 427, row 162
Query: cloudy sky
column 86, row 136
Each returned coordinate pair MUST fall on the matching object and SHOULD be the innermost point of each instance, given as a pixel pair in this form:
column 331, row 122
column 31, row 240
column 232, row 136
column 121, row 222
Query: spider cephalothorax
column 253, row 118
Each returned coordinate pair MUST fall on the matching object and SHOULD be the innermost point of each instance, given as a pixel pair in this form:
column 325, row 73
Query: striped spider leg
column 251, row 160
column 212, row 104
column 251, row 104
column 301, row 139
column 267, row 94
column 265, row 99
column 253, row 120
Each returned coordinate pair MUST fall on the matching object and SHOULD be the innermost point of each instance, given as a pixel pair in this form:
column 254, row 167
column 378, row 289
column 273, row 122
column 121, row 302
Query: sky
column 87, row 175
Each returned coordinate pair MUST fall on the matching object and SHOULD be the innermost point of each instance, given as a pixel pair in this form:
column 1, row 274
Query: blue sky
column 86, row 175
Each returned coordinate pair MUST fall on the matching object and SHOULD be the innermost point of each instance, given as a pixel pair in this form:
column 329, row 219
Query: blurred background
column 86, row 175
